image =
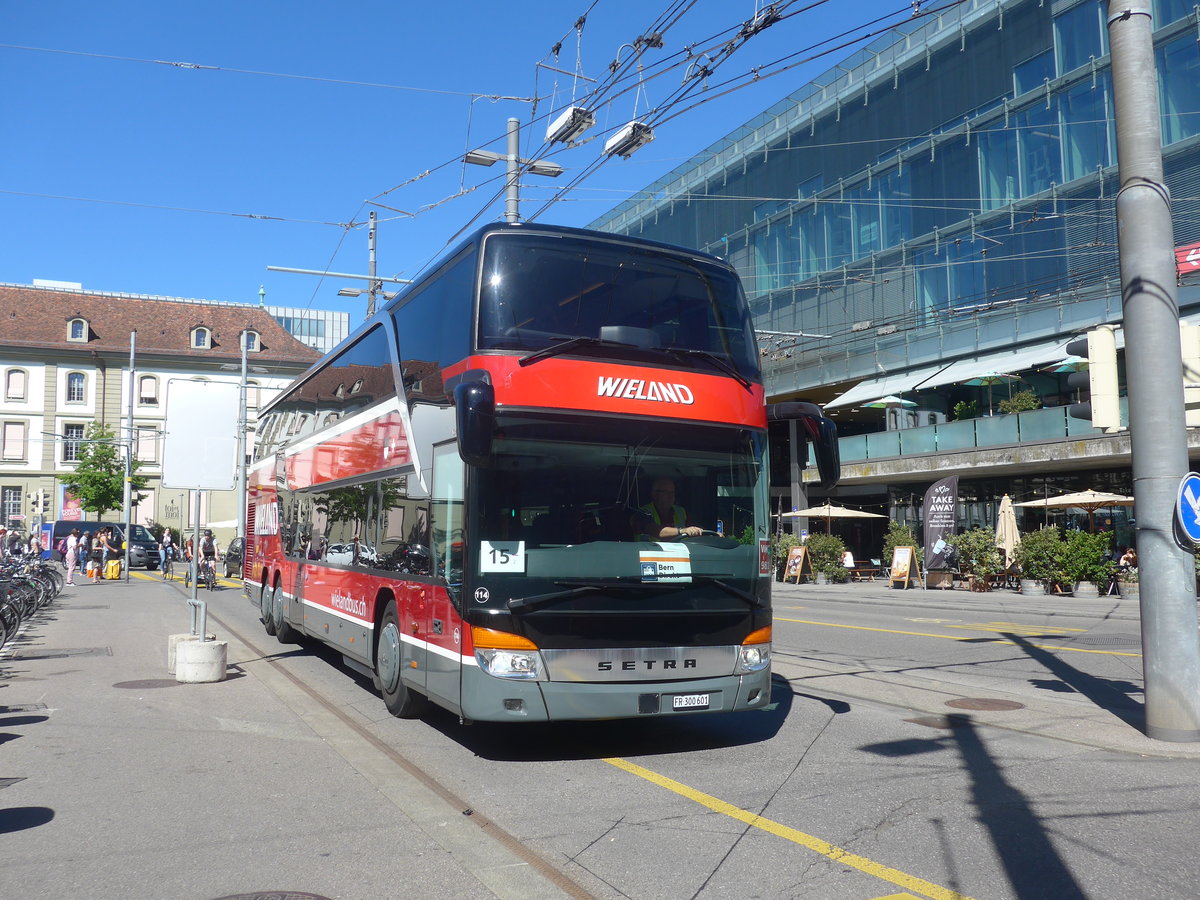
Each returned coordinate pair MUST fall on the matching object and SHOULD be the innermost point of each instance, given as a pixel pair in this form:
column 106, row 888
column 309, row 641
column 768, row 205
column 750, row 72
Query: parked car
column 143, row 549
column 234, row 555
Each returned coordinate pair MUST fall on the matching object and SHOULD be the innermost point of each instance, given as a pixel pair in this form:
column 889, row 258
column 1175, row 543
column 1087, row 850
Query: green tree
column 99, row 477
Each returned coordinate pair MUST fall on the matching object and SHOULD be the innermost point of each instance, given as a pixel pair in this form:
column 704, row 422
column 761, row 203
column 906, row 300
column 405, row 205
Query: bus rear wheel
column 400, row 700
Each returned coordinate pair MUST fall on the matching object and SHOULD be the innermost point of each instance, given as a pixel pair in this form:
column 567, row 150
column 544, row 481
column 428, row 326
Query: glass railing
column 971, row 434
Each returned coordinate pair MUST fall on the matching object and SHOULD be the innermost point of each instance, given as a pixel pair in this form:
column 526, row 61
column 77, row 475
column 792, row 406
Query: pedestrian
column 95, row 555
column 112, row 552
column 72, row 555
column 35, row 545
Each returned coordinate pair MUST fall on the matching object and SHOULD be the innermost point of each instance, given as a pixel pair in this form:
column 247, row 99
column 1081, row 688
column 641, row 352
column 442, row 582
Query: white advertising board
column 200, row 448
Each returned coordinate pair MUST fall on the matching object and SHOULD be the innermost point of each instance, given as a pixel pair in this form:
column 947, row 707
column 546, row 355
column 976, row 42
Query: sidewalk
column 118, row 782
column 1070, row 716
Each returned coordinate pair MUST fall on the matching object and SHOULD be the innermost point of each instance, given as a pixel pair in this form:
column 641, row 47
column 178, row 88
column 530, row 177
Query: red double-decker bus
column 461, row 497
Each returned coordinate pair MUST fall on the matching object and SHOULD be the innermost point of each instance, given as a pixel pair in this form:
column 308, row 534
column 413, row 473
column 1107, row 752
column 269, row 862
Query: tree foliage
column 99, row 477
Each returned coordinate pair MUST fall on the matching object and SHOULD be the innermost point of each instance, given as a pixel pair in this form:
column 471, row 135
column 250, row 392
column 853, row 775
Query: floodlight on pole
column 513, row 166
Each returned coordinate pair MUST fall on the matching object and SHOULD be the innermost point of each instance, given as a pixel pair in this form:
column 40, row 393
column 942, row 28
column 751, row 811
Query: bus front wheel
column 400, row 700
column 266, row 601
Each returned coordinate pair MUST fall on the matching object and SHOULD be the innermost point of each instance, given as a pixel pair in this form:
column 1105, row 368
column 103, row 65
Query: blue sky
column 129, row 175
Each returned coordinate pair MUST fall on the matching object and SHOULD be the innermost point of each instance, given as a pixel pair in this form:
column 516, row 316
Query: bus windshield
column 538, row 291
column 574, row 502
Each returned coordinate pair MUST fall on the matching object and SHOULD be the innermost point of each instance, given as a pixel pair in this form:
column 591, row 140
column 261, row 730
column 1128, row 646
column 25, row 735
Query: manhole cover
column 983, row 703
column 274, row 895
column 1116, row 640
column 148, row 683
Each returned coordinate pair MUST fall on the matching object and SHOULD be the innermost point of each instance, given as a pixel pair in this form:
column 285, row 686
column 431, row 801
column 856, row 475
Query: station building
column 922, row 229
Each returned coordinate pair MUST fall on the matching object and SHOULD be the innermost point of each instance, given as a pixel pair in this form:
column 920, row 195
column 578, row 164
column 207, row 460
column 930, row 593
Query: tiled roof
column 36, row 318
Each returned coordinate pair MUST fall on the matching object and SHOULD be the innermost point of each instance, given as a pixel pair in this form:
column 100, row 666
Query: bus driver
column 661, row 519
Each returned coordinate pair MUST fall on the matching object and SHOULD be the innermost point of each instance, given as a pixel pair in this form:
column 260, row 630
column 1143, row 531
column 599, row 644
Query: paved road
column 859, row 782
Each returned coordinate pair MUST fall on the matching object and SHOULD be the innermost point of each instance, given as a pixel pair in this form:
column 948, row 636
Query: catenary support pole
column 1154, row 374
column 511, row 195
column 243, row 424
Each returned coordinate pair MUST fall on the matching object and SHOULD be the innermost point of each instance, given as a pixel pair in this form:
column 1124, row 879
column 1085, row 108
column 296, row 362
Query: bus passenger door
column 447, row 530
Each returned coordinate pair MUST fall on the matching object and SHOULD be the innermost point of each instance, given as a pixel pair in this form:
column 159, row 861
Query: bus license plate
column 689, row 701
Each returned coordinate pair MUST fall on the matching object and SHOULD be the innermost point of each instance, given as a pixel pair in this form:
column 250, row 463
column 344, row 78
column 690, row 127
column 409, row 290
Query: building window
column 147, row 444
column 10, row 502
column 14, row 384
column 200, row 338
column 14, row 440
column 1080, row 35
column 252, row 394
column 148, row 390
column 76, row 387
column 77, row 330
column 251, row 341
column 72, row 436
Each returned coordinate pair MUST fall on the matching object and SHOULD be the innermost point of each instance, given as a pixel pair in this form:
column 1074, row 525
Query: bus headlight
column 507, row 655
column 521, row 665
column 755, row 653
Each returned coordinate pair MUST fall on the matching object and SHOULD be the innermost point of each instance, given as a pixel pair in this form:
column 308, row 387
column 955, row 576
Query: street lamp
column 513, row 166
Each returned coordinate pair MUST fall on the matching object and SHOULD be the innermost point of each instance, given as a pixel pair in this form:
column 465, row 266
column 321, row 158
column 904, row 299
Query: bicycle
column 208, row 572
column 168, row 565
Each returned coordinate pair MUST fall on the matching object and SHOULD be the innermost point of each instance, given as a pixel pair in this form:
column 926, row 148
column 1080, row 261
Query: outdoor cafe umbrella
column 1067, row 365
column 889, row 402
column 988, row 380
column 1088, row 500
column 1007, row 535
column 829, row 512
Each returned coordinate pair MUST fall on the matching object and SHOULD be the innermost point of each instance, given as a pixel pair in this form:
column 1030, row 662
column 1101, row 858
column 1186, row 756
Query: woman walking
column 72, row 555
column 94, row 557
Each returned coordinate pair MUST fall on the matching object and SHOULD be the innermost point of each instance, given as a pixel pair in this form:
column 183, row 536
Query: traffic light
column 1097, row 386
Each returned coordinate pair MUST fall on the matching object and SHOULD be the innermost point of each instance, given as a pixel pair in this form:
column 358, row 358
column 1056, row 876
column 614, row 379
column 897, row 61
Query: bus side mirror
column 475, row 416
column 822, row 435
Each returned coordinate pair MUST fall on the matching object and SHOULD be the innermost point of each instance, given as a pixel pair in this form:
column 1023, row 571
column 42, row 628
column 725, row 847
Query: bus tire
column 283, row 630
column 266, row 602
column 400, row 700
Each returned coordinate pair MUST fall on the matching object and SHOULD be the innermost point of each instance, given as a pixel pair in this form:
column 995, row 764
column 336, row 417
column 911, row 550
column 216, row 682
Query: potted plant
column 977, row 555
column 1021, row 401
column 1038, row 558
column 1127, row 583
column 1085, row 562
column 966, row 409
column 899, row 535
column 827, row 553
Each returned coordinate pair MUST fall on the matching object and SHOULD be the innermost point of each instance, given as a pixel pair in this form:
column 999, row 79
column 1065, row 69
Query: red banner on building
column 1187, row 259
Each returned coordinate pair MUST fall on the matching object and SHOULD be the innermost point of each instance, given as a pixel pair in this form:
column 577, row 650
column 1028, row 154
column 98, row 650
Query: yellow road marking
column 1023, row 630
column 953, row 637
column 826, row 849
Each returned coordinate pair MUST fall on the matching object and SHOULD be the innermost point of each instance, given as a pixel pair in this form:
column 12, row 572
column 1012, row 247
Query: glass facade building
column 938, row 204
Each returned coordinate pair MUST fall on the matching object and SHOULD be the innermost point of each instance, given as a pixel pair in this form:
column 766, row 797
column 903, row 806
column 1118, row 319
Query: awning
column 874, row 388
column 1012, row 362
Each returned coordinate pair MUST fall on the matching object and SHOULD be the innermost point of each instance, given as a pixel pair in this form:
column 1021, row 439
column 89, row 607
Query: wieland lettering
column 651, row 391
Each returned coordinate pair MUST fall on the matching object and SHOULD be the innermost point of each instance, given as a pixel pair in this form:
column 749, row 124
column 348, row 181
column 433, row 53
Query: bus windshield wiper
column 566, row 347
column 578, row 588
column 722, row 364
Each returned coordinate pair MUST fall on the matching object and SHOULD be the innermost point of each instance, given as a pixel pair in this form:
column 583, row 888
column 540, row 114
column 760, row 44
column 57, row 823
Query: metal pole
column 511, row 198
column 129, row 445
column 241, row 447
column 1154, row 372
column 373, row 284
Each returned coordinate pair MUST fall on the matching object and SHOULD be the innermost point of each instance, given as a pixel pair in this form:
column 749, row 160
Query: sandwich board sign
column 200, row 447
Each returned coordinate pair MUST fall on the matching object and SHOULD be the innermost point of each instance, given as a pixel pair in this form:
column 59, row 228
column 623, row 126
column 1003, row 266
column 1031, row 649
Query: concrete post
column 1154, row 372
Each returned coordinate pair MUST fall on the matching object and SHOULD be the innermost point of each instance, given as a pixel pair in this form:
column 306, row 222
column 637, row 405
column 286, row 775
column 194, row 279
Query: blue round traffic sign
column 1187, row 507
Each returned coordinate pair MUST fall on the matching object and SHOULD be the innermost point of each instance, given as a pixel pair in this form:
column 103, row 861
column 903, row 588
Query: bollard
column 201, row 662
column 173, row 642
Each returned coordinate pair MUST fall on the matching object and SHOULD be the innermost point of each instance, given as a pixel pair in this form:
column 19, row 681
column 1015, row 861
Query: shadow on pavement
column 1033, row 866
column 1109, row 695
